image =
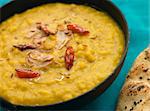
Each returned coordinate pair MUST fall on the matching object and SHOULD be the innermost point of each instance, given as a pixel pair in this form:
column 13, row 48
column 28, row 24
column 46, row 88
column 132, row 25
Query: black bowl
column 19, row 6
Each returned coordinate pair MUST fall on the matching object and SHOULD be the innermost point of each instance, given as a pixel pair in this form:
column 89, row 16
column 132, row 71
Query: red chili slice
column 23, row 73
column 77, row 29
column 69, row 58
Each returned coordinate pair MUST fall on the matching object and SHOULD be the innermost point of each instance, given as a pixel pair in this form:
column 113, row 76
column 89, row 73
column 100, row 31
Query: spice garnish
column 23, row 47
column 63, row 36
column 38, row 41
column 62, row 39
column 45, row 29
column 77, row 29
column 61, row 78
column 24, row 73
column 69, row 58
column 38, row 59
column 11, row 76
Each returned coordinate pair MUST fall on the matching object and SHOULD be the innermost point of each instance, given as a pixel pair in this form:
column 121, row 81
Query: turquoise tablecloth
column 136, row 13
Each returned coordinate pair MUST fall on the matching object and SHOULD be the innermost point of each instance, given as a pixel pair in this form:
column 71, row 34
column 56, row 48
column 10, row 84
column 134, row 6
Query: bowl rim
column 123, row 57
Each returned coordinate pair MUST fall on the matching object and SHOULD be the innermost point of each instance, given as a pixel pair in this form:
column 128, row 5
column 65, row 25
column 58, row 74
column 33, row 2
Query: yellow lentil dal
column 96, row 54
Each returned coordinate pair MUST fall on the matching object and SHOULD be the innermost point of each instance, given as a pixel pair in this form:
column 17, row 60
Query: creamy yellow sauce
column 96, row 54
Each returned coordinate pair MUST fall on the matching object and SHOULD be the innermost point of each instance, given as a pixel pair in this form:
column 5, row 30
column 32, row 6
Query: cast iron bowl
column 19, row 6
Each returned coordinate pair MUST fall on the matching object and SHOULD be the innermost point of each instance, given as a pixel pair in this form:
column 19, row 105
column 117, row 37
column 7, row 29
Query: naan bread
column 135, row 94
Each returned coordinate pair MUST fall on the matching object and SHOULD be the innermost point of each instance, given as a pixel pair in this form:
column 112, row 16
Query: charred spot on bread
column 145, row 70
column 125, row 107
column 128, row 76
column 140, row 77
column 139, row 88
column 147, row 55
column 131, row 109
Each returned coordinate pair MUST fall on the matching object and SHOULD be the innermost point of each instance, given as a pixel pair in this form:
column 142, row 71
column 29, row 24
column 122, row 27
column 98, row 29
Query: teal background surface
column 137, row 15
